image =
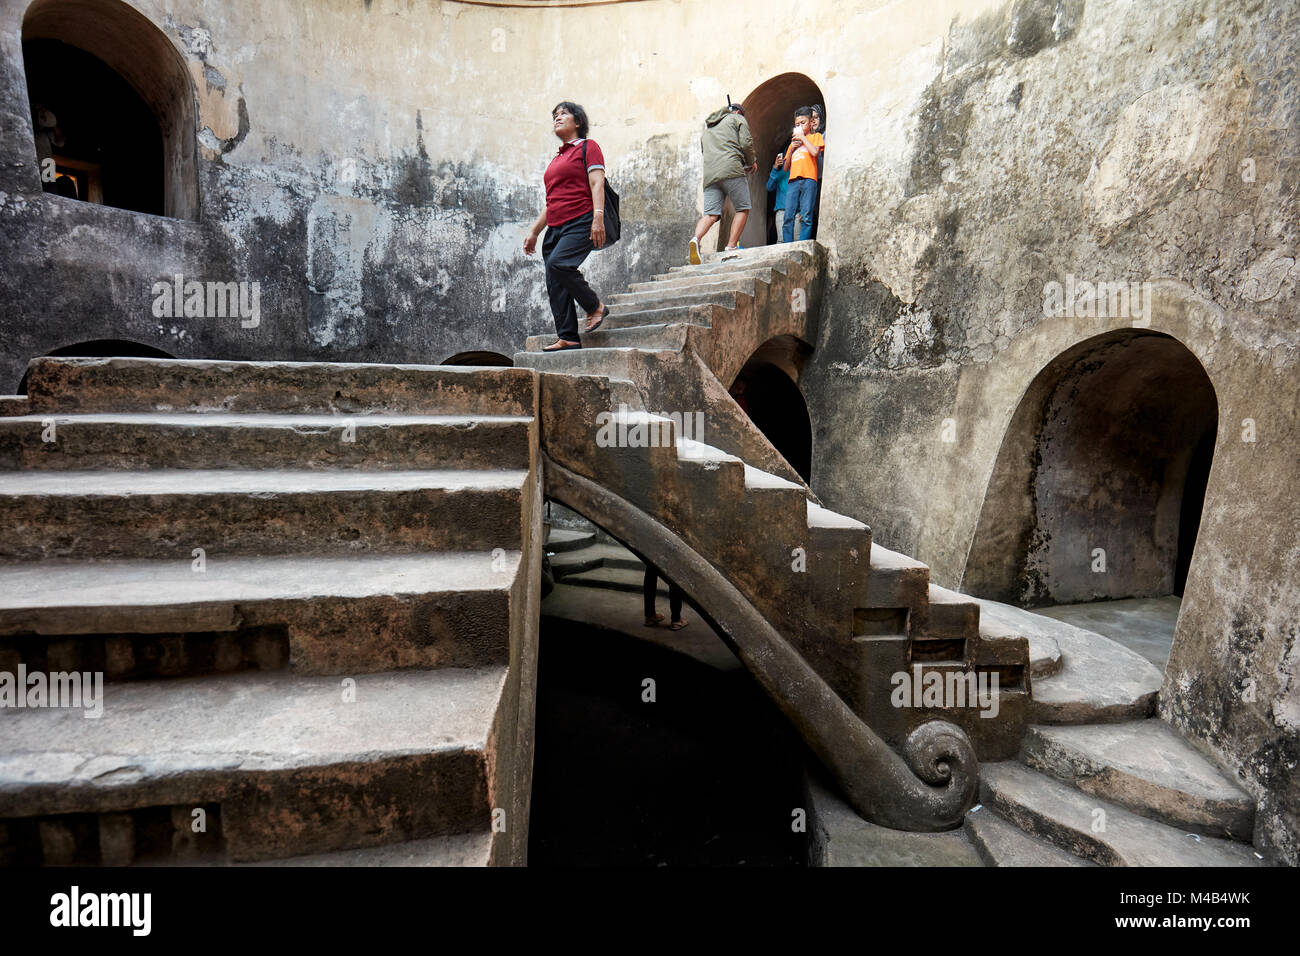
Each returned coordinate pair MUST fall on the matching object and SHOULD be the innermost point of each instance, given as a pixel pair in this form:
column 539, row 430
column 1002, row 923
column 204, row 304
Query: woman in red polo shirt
column 574, row 218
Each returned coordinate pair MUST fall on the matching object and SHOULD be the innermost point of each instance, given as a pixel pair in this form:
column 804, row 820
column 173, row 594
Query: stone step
column 641, row 336
column 1000, row 843
column 343, row 614
column 11, row 405
column 128, row 440
column 742, row 281
column 616, row 364
column 820, row 517
column 1096, row 829
column 750, row 258
column 633, row 318
column 595, row 556
column 950, row 615
column 684, row 273
column 726, row 298
column 168, row 513
column 1004, row 622
column 1099, row 680
column 566, row 539
column 458, row 849
column 173, row 385
column 1147, row 767
column 615, row 579
column 296, row 766
column 778, row 506
column 896, row 581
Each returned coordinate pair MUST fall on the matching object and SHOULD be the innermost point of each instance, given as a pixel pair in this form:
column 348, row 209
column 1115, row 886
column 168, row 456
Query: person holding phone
column 801, row 163
column 574, row 217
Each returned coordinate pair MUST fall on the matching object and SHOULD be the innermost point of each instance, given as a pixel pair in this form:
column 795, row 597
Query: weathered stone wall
column 374, row 164
column 1113, row 142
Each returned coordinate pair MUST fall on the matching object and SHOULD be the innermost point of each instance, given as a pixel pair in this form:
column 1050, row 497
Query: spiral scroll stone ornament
column 941, row 755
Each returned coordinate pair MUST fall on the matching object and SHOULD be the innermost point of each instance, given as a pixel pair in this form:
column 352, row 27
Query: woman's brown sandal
column 677, row 625
column 654, row 621
column 604, row 314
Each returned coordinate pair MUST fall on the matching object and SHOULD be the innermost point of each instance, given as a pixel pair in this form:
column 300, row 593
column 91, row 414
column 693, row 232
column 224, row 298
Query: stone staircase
column 851, row 611
column 311, row 590
column 1074, row 730
column 327, row 654
column 1099, row 778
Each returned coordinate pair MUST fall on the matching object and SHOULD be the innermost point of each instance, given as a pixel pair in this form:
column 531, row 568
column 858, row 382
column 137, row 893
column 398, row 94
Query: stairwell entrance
column 1098, row 489
column 766, row 388
column 769, row 110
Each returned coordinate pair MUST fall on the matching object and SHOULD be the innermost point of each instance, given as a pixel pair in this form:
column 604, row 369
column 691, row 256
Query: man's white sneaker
column 695, row 252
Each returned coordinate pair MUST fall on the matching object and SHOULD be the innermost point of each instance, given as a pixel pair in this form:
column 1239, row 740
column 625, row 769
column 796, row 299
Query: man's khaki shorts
column 737, row 187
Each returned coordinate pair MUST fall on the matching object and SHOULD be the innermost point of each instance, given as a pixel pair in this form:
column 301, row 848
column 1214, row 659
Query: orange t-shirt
column 802, row 165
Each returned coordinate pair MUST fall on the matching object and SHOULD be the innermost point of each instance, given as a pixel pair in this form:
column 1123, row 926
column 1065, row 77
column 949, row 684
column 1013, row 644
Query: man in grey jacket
column 728, row 160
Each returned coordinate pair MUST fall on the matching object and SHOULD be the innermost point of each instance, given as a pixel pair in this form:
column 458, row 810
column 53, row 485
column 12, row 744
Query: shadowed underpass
column 708, row 774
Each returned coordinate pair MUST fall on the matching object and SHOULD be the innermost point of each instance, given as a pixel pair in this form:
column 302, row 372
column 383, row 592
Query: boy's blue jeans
column 800, row 199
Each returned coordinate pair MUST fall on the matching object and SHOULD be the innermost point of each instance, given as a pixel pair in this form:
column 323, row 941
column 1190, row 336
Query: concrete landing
column 839, row 837
column 1099, row 681
column 621, row 612
column 1143, row 625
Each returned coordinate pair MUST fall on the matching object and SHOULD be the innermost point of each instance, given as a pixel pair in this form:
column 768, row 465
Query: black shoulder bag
column 613, row 225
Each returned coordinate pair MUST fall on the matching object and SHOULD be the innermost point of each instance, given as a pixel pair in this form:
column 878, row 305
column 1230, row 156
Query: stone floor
column 1143, row 625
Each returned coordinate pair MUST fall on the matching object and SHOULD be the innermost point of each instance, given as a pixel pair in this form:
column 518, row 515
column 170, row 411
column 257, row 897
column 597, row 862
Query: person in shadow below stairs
column 648, row 591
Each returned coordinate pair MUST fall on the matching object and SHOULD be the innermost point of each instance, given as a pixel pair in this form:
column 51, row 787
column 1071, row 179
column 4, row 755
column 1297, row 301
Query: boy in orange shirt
column 801, row 162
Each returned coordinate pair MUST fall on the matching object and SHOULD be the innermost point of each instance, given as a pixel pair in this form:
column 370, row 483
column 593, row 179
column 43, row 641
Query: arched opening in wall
column 478, row 358
column 1097, row 492
column 769, row 110
column 103, row 348
column 113, row 110
column 767, row 389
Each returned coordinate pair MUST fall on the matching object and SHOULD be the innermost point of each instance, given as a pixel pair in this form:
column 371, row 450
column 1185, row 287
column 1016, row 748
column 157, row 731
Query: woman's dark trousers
column 563, row 250
column 648, row 588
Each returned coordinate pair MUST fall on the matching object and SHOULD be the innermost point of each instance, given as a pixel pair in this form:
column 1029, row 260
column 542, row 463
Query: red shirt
column 568, row 191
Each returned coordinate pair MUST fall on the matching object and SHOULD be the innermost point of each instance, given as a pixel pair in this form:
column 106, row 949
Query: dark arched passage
column 766, row 390
column 479, row 358
column 1098, row 486
column 112, row 107
column 769, row 110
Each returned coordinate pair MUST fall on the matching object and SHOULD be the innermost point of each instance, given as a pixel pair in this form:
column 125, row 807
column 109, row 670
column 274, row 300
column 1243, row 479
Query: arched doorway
column 1098, row 487
column 769, row 110
column 478, row 358
column 112, row 103
column 102, row 348
column 767, row 391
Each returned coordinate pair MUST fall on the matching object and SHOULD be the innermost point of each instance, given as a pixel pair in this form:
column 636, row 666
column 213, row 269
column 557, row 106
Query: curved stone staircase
column 842, row 613
column 1074, row 733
